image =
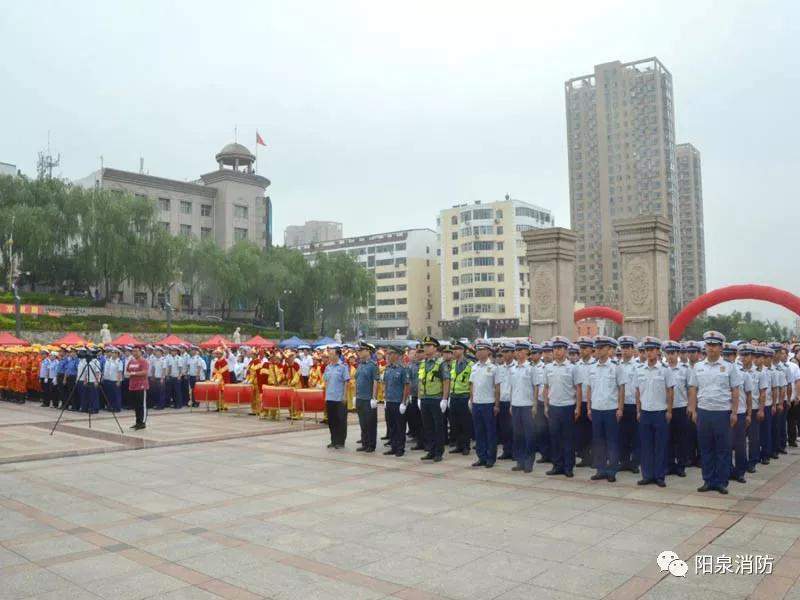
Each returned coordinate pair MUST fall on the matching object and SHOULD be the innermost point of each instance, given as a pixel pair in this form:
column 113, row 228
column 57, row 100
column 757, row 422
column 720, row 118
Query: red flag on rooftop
column 259, row 139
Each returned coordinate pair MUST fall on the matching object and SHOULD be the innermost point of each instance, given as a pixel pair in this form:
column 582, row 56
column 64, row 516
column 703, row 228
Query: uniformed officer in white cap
column 562, row 400
column 504, row 428
column 540, row 420
column 583, row 427
column 654, row 398
column 680, row 438
column 629, row 426
column 766, row 382
column 605, row 398
column 739, row 432
column 523, row 403
column 713, row 405
column 780, row 410
column 485, row 404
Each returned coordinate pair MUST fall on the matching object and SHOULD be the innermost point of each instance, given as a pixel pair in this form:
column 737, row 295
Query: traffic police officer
column 562, row 404
column 395, row 389
column 713, row 405
column 460, row 418
column 434, row 390
column 605, row 400
column 367, row 376
column 485, row 403
column 654, row 397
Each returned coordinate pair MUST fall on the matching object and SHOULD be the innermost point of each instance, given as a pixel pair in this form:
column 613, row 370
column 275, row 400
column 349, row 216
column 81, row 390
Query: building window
column 454, row 251
column 239, row 234
column 500, row 262
column 454, row 235
column 205, row 233
column 164, row 225
column 140, row 298
column 239, row 211
column 163, row 204
column 454, row 220
column 186, row 230
column 186, row 207
column 499, row 230
column 498, row 214
column 455, row 266
column 205, row 210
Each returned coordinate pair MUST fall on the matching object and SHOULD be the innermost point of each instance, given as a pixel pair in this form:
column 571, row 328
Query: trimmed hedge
column 52, row 299
column 119, row 325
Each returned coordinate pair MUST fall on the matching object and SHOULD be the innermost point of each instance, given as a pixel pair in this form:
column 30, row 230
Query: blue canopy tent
column 324, row 341
column 292, row 342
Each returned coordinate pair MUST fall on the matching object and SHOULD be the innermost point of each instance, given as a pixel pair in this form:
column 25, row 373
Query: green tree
column 157, row 258
column 462, row 328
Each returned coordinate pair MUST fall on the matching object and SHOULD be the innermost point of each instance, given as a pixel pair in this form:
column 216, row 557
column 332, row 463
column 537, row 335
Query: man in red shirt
column 137, row 370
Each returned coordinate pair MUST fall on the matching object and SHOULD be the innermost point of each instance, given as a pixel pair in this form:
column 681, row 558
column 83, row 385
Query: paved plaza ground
column 208, row 505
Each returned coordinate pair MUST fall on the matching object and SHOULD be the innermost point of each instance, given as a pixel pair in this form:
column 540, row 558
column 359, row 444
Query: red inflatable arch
column 598, row 312
column 732, row 292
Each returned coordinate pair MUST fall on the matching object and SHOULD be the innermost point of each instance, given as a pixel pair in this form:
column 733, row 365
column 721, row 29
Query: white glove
column 373, row 403
column 419, row 404
column 448, row 403
column 443, row 404
column 402, row 408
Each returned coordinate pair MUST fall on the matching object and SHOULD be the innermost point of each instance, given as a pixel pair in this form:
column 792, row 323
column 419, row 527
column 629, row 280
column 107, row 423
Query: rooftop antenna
column 46, row 162
column 141, row 165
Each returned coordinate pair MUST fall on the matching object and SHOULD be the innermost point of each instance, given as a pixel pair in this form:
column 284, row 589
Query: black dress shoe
column 583, row 463
column 705, row 488
column 386, row 437
column 489, row 465
column 644, row 482
column 339, row 446
column 751, row 469
column 764, row 461
column 612, row 478
column 331, row 445
column 505, row 456
column 775, row 456
column 389, row 453
column 428, row 456
column 418, row 447
column 478, row 463
column 140, row 426
column 740, row 479
column 681, row 473
column 661, row 483
column 528, row 469
column 634, row 469
column 398, row 454
column 723, row 490
column 136, row 426
column 597, row 477
column 454, row 451
column 793, row 444
column 369, row 450
column 554, row 471
column 781, row 451
column 465, row 451
column 437, row 459
column 362, row 449
column 516, row 468
column 569, row 474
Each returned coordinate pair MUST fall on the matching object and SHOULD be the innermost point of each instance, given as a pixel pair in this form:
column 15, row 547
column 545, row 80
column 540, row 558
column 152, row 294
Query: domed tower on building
column 242, row 210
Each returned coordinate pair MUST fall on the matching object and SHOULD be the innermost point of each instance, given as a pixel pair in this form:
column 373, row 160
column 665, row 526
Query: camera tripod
column 94, row 370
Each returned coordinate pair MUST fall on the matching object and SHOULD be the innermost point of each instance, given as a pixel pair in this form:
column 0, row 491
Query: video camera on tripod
column 88, row 353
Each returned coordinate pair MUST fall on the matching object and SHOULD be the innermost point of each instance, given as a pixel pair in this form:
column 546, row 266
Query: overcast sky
column 379, row 114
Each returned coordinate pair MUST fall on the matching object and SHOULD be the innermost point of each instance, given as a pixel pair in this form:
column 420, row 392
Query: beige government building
column 484, row 270
column 405, row 267
column 622, row 164
column 227, row 205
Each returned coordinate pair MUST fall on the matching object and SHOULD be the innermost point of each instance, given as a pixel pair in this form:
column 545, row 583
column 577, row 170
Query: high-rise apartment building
column 484, row 270
column 622, row 164
column 311, row 232
column 690, row 200
column 405, row 266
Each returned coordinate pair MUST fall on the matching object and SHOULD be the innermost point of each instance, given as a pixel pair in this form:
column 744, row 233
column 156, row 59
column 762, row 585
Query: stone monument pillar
column 551, row 260
column 643, row 244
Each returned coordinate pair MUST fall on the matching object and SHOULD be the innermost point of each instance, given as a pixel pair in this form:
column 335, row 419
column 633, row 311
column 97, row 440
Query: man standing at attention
column 713, row 405
column 367, row 377
column 336, row 376
column 485, row 404
column 563, row 395
column 434, row 392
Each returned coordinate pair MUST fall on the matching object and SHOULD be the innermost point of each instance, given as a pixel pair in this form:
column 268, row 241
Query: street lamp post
column 281, row 313
column 17, row 315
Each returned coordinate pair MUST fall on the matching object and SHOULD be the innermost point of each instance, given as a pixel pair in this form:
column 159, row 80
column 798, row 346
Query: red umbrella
column 6, row 339
column 259, row 342
column 215, row 342
column 126, row 339
column 70, row 339
column 172, row 340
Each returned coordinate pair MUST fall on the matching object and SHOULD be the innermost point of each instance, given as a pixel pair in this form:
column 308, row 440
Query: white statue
column 105, row 334
column 338, row 336
column 237, row 337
